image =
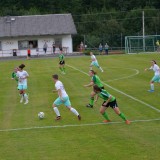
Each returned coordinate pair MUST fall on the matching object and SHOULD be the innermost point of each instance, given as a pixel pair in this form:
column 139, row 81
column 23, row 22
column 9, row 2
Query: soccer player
column 62, row 62
column 22, row 83
column 63, row 98
column 109, row 101
column 156, row 77
column 94, row 80
column 94, row 62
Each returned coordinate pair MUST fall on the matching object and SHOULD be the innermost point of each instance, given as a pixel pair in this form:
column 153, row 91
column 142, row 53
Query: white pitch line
column 127, row 95
column 74, row 125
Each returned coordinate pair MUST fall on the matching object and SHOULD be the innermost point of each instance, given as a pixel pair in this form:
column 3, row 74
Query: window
column 27, row 44
column 58, row 42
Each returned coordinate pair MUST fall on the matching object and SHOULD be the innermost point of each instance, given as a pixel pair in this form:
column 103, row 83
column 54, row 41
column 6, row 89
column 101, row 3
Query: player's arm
column 148, row 68
column 89, row 85
column 96, row 98
column 60, row 94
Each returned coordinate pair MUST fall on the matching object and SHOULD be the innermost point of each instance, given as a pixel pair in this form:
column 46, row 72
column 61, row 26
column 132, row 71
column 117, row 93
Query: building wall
column 9, row 44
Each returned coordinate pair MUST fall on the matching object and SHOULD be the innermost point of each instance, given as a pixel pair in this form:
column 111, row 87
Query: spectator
column 106, row 48
column 45, row 47
column 28, row 53
column 158, row 45
column 100, row 48
column 81, row 47
column 54, row 47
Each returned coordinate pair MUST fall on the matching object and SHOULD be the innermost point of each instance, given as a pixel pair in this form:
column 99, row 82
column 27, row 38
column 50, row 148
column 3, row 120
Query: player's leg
column 25, row 94
column 97, row 65
column 104, row 113
column 152, row 84
column 63, row 68
column 60, row 67
column 67, row 103
column 90, row 105
column 55, row 105
column 115, row 107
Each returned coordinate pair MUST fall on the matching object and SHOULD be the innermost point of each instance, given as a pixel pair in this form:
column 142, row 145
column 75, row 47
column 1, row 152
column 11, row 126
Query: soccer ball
column 41, row 115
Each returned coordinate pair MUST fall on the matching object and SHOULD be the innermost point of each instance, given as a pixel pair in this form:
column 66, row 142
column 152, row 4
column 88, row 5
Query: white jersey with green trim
column 59, row 86
column 156, row 69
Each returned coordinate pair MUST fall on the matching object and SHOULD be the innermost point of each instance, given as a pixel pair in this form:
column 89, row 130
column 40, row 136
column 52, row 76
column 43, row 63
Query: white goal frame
column 140, row 44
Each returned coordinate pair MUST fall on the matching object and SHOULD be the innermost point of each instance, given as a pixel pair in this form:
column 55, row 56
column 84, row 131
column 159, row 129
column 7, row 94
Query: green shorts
column 65, row 101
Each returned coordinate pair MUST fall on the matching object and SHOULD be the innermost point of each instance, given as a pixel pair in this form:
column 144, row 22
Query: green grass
column 115, row 141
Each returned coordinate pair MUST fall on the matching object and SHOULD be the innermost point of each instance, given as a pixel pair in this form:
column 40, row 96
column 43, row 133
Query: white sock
column 101, row 69
column 56, row 111
column 152, row 86
column 25, row 97
column 74, row 111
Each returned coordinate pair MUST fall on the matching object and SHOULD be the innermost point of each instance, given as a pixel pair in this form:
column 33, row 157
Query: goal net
column 140, row 44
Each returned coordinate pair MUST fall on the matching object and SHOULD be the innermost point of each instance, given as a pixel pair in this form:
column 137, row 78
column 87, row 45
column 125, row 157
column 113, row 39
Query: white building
column 21, row 33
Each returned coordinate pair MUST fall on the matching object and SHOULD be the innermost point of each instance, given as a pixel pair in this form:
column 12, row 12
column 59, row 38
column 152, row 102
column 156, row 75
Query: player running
column 62, row 62
column 109, row 101
column 156, row 77
column 62, row 99
column 22, row 83
column 94, row 62
column 94, row 80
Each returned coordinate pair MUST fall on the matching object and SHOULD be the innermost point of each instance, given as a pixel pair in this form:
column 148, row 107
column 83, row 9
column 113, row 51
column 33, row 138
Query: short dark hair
column 154, row 61
column 55, row 76
column 22, row 66
column 93, row 72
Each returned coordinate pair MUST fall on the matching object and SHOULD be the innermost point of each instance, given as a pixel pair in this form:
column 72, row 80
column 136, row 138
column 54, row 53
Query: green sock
column 60, row 68
column 105, row 115
column 91, row 101
column 122, row 116
column 64, row 69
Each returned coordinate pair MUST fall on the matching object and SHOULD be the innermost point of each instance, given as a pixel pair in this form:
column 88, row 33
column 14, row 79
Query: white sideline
column 135, row 99
column 75, row 125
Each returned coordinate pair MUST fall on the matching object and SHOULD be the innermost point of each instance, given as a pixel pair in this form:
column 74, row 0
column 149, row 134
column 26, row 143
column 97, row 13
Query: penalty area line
column 75, row 125
column 125, row 94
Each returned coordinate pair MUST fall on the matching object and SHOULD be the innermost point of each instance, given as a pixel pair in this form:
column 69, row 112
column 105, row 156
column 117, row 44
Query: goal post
column 140, row 44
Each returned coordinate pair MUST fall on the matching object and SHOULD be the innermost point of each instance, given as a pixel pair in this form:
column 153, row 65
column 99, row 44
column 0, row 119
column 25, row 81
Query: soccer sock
column 91, row 101
column 56, row 111
column 122, row 116
column 64, row 70
column 74, row 111
column 105, row 115
column 152, row 86
column 25, row 96
column 101, row 69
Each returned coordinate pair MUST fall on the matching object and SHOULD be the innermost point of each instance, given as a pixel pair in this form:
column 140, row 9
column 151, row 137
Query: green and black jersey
column 61, row 57
column 105, row 95
column 96, row 80
column 14, row 76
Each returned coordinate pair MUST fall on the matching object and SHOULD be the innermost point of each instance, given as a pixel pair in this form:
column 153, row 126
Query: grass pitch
column 24, row 137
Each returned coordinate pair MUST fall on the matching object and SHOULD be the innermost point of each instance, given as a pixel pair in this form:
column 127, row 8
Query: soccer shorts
column 156, row 79
column 65, row 101
column 62, row 62
column 112, row 104
column 95, row 63
column 22, row 87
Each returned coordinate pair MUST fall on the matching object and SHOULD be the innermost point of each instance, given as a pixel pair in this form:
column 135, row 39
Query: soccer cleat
column 106, row 121
column 128, row 122
column 58, row 118
column 79, row 117
column 150, row 90
column 102, row 70
column 89, row 106
column 26, row 102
